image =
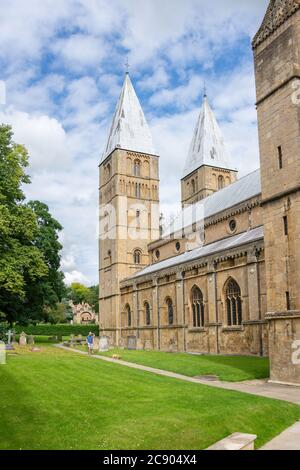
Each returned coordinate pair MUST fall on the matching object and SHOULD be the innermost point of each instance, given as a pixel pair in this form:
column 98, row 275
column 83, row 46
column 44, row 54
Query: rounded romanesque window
column 234, row 304
column 137, row 168
column 198, row 308
column 170, row 308
column 221, row 182
column 137, row 257
column 128, row 313
column 147, row 314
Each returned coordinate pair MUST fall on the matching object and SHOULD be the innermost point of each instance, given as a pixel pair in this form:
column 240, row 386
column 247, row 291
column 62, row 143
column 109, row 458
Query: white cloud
column 44, row 138
column 63, row 65
column 76, row 276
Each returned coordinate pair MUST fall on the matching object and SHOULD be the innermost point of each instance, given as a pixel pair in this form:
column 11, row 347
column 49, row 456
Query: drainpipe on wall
column 216, row 307
column 261, row 341
column 184, row 322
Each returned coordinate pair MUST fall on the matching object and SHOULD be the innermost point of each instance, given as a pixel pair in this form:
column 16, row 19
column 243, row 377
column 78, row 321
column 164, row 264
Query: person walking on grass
column 90, row 342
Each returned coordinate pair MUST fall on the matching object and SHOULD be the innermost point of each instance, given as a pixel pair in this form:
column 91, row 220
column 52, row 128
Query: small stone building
column 83, row 314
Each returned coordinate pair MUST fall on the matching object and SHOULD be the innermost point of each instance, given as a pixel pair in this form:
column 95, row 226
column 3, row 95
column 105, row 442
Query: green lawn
column 227, row 368
column 59, row 400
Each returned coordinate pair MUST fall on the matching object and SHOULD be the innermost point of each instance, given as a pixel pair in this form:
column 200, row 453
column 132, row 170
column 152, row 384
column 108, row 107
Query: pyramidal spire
column 207, row 147
column 129, row 130
column 277, row 13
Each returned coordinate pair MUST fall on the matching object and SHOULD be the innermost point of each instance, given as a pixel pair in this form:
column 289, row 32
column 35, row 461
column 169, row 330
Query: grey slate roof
column 243, row 189
column 213, row 248
column 129, row 129
column 207, row 147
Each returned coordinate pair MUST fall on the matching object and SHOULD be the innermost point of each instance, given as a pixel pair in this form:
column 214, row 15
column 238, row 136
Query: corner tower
column 208, row 166
column 277, row 68
column 129, row 206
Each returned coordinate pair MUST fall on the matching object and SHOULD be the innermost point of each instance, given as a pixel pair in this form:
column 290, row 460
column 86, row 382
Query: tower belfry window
column 286, row 225
column 280, row 157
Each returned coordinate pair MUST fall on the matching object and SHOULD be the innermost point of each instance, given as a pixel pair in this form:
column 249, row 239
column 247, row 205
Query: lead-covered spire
column 207, row 147
column 129, row 130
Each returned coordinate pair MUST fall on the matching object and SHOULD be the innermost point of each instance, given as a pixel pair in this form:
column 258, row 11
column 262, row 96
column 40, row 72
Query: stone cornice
column 277, row 13
column 287, row 315
column 237, row 252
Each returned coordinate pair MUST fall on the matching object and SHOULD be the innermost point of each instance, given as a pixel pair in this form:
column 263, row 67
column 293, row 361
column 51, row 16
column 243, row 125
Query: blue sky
column 63, row 65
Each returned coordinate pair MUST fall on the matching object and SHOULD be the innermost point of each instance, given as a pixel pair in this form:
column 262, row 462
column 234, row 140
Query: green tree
column 79, row 293
column 29, row 249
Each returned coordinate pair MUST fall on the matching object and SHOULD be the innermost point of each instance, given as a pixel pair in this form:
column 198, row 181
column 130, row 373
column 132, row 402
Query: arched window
column 198, row 308
column 170, row 311
column 193, row 186
column 128, row 312
column 147, row 314
column 137, row 257
column 137, row 168
column 137, row 190
column 108, row 169
column 234, row 304
column 221, row 182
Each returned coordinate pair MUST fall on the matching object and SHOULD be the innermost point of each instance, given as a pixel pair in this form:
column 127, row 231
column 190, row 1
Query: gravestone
column 140, row 345
column 79, row 339
column 104, row 344
column 2, row 353
column 72, row 339
column 131, row 343
column 31, row 340
column 148, row 345
column 173, row 346
column 23, row 339
column 9, row 335
column 9, row 346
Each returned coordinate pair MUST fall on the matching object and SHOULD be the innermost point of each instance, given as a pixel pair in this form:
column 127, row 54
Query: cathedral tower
column 129, row 205
column 277, row 69
column 208, row 166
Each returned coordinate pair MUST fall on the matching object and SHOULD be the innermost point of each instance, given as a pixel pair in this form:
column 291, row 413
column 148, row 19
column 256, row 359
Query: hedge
column 57, row 330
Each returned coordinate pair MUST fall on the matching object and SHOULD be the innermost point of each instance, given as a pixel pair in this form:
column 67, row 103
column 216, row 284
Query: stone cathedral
column 224, row 278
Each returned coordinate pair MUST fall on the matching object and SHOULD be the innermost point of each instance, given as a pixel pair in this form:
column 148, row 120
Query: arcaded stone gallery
column 223, row 278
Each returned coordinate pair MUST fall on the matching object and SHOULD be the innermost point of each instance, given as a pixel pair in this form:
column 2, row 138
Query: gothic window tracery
column 234, row 304
column 198, row 308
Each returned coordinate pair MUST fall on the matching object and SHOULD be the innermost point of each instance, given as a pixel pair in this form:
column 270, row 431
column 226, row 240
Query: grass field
column 227, row 368
column 55, row 399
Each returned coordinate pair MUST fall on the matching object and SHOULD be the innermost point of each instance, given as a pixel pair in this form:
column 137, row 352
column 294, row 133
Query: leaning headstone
column 140, row 345
column 2, row 353
column 31, row 340
column 172, row 346
column 23, row 339
column 131, row 344
column 104, row 344
column 148, row 345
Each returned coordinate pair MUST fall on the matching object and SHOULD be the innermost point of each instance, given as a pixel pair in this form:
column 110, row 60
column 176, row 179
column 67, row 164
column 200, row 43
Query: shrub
column 58, row 330
column 3, row 330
